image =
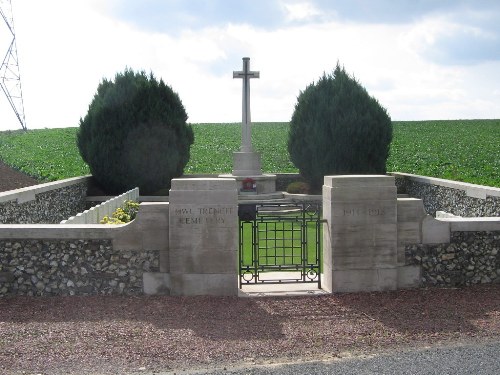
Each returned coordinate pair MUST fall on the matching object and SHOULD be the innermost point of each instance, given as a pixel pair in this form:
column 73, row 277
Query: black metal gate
column 280, row 243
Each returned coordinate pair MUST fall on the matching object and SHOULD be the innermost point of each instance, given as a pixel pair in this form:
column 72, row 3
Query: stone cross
column 246, row 74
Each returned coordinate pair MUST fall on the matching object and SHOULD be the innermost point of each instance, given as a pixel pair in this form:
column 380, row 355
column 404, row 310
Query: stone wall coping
column 180, row 185
column 473, row 224
column 81, row 231
column 211, row 175
column 347, row 181
column 288, row 174
column 27, row 194
column 303, row 197
column 61, row 231
column 142, row 198
column 471, row 190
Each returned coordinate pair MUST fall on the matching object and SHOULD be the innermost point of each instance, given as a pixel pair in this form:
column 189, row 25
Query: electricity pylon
column 10, row 79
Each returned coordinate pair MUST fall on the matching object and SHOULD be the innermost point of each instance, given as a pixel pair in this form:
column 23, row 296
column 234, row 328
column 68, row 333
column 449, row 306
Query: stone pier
column 360, row 239
column 203, row 237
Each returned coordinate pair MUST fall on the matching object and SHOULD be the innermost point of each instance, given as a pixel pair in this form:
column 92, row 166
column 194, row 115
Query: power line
column 10, row 78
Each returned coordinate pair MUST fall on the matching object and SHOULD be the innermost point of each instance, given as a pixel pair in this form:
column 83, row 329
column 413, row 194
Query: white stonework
column 246, row 162
column 203, row 233
column 360, row 237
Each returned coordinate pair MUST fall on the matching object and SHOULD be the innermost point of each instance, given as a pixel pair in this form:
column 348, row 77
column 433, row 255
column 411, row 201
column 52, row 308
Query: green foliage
column 118, row 217
column 212, row 151
column 131, row 208
column 338, row 128
column 122, row 215
column 135, row 134
column 46, row 154
column 298, row 187
column 462, row 150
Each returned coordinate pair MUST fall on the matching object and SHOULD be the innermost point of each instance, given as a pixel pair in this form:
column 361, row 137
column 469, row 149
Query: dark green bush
column 135, row 134
column 298, row 187
column 338, row 128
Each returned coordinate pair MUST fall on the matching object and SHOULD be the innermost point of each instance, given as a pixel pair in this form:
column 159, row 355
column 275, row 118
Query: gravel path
column 122, row 335
column 477, row 358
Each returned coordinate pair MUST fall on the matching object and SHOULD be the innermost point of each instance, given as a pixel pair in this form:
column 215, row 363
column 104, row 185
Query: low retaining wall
column 470, row 258
column 45, row 203
column 458, row 198
column 285, row 179
column 73, row 267
column 135, row 258
column 456, row 251
column 282, row 179
column 78, row 259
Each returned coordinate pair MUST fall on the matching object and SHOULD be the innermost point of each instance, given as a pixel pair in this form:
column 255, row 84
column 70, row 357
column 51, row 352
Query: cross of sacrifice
column 246, row 74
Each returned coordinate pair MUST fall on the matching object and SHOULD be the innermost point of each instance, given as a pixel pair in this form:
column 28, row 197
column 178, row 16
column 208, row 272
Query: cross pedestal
column 246, row 162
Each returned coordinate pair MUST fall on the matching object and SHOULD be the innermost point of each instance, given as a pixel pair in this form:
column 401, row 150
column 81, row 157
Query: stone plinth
column 203, row 237
column 246, row 165
column 265, row 184
column 360, row 237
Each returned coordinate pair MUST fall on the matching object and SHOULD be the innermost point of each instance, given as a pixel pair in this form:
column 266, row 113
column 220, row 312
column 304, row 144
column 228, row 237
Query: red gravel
column 110, row 335
column 80, row 335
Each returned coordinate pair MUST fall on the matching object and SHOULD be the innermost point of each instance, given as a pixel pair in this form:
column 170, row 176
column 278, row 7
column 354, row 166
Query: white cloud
column 301, row 11
column 66, row 48
column 450, row 39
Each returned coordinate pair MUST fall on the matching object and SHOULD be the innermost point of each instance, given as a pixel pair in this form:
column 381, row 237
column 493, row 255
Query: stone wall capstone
column 443, row 198
column 470, row 258
column 72, row 267
column 49, row 207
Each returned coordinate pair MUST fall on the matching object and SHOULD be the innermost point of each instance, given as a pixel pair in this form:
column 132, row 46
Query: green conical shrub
column 135, row 134
column 338, row 128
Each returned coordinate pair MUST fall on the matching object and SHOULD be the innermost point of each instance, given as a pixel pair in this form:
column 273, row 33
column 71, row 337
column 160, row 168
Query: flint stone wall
column 470, row 258
column 72, row 267
column 456, row 201
column 46, row 207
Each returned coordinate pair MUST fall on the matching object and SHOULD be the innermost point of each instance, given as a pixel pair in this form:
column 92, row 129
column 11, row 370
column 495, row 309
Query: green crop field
column 462, row 150
column 466, row 151
column 46, row 154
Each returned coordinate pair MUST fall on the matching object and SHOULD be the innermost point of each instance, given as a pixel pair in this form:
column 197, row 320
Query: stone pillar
column 203, row 237
column 360, row 237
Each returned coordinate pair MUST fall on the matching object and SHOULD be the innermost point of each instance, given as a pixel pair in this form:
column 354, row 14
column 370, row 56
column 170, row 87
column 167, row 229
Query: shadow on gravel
column 427, row 311
column 337, row 319
column 212, row 318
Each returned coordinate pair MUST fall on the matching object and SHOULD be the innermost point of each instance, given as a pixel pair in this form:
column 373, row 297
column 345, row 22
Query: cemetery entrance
column 280, row 243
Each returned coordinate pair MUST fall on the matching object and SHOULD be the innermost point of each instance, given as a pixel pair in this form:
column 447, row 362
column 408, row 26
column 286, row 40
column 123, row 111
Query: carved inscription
column 364, row 212
column 376, row 212
column 352, row 212
column 202, row 215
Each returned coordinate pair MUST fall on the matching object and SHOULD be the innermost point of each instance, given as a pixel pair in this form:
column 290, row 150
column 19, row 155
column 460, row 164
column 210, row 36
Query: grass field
column 462, row 150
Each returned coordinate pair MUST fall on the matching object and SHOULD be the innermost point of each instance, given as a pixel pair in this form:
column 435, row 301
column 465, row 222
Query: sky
column 421, row 59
